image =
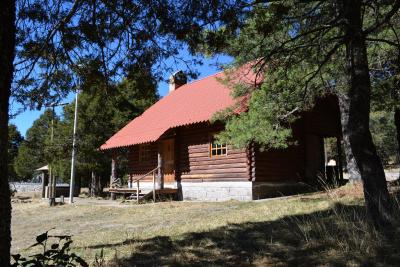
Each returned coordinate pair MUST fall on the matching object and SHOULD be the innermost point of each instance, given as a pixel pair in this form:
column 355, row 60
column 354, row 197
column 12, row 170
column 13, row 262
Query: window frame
column 144, row 152
column 218, row 147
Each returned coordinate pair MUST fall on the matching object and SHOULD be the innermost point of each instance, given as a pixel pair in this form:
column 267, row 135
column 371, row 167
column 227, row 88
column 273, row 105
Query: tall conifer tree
column 306, row 49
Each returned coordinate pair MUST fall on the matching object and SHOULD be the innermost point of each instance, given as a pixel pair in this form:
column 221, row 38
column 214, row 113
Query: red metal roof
column 191, row 103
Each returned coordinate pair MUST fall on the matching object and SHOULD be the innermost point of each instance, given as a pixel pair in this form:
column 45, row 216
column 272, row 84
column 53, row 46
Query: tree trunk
column 355, row 110
column 91, row 185
column 95, row 185
column 7, row 46
column 351, row 164
column 99, row 187
column 397, row 124
column 114, row 174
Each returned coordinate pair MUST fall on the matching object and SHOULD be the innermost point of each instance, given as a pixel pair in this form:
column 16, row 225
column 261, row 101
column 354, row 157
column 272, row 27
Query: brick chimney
column 176, row 80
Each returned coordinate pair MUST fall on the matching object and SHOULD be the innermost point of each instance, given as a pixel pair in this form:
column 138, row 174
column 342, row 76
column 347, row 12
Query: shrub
column 53, row 254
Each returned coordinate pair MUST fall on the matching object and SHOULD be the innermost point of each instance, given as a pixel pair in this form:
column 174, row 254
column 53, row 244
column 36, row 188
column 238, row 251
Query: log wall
column 282, row 165
column 304, row 161
column 137, row 168
column 194, row 161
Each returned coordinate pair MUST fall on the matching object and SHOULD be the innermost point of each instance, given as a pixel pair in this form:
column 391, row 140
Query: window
column 144, row 152
column 217, row 149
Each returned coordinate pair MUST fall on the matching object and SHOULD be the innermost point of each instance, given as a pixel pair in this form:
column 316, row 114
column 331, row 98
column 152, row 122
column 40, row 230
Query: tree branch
column 386, row 19
column 320, row 66
column 51, row 34
column 370, row 39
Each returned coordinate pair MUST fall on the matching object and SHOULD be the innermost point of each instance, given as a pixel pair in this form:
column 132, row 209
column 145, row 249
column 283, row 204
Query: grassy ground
column 317, row 229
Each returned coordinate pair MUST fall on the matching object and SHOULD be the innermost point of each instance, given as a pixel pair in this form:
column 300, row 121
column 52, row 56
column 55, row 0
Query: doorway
column 168, row 157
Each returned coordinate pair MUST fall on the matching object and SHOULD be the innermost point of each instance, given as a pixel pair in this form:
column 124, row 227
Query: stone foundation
column 224, row 191
column 216, row 191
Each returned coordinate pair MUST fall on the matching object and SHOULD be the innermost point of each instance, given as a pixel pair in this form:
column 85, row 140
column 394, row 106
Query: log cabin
column 172, row 146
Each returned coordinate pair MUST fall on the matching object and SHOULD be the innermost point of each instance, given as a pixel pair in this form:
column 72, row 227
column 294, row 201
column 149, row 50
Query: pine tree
column 51, row 43
column 34, row 151
column 384, row 53
column 7, row 48
column 102, row 111
column 14, row 142
column 305, row 49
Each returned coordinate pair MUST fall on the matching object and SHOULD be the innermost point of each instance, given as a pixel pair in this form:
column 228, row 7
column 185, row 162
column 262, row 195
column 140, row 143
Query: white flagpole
column 72, row 184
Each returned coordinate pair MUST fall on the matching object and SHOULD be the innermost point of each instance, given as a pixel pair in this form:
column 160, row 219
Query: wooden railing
column 153, row 171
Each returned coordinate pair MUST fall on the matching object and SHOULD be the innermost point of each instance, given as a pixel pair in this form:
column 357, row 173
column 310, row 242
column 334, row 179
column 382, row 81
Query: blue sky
column 25, row 120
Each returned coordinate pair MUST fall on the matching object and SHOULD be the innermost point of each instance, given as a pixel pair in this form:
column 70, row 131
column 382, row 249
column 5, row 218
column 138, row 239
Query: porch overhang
column 130, row 139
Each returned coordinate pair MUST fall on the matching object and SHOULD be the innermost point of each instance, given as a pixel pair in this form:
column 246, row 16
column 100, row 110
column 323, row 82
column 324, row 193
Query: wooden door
column 168, row 157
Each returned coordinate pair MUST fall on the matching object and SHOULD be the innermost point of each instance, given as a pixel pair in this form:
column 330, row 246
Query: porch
column 158, row 184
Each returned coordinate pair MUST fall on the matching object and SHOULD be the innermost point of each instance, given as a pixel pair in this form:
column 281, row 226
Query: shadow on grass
column 338, row 236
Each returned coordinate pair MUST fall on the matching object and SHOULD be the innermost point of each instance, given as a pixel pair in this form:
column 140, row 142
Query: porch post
column 130, row 181
column 160, row 178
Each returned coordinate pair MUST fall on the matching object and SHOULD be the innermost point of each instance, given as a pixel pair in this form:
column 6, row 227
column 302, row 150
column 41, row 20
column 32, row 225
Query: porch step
column 123, row 190
column 164, row 194
column 161, row 194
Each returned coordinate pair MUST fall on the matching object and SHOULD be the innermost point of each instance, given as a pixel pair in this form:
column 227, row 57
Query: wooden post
column 154, row 186
column 130, row 181
column 137, row 191
column 160, row 179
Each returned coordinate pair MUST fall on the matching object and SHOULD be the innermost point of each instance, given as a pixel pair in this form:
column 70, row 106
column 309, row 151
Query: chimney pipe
column 176, row 80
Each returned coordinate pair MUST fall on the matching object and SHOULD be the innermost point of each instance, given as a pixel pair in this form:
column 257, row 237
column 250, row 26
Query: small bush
column 53, row 254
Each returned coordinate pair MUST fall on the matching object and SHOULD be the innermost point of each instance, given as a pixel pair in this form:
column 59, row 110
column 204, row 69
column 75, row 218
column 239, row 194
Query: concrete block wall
column 224, row 191
column 216, row 191
column 26, row 187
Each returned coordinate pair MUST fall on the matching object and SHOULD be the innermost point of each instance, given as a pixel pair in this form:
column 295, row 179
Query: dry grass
column 316, row 229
